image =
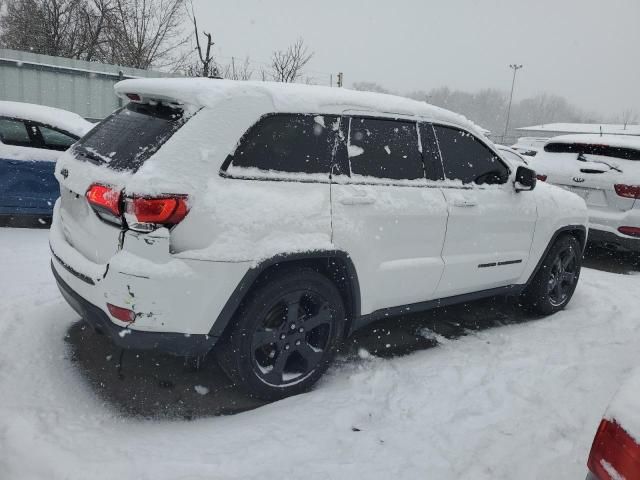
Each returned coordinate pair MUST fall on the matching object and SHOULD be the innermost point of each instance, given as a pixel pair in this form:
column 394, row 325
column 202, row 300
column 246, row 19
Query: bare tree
column 205, row 64
column 135, row 33
column 50, row 27
column 146, row 33
column 628, row 116
column 235, row 70
column 287, row 65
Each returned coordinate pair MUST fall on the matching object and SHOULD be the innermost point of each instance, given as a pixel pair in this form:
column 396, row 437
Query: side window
column 289, row 143
column 55, row 139
column 430, row 153
column 465, row 158
column 14, row 132
column 384, row 149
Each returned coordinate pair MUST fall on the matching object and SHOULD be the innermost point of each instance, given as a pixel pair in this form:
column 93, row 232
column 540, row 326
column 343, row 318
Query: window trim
column 278, row 175
column 482, row 142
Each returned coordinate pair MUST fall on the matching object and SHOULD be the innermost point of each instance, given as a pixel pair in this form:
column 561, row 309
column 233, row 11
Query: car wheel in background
column 553, row 285
column 284, row 336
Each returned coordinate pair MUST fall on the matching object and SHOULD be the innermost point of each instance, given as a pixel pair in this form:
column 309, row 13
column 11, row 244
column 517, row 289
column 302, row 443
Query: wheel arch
column 577, row 231
column 334, row 264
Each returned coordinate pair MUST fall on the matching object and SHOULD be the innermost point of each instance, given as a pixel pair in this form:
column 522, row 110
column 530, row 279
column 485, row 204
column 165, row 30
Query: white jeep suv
column 272, row 220
column 605, row 171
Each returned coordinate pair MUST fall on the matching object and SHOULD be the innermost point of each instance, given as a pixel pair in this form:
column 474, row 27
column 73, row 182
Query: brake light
column 121, row 313
column 614, row 453
column 104, row 199
column 134, row 97
column 165, row 210
column 542, row 178
column 629, row 191
column 631, row 231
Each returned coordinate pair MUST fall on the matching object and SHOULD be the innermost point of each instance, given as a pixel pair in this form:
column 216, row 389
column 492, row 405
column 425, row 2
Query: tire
column 553, row 285
column 284, row 336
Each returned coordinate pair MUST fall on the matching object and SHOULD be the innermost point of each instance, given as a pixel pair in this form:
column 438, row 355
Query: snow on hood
column 55, row 117
column 288, row 97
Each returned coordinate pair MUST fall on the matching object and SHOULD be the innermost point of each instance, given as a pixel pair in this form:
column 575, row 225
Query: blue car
column 32, row 137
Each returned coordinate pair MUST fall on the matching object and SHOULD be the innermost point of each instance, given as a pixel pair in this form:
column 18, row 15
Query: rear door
column 490, row 227
column 27, row 182
column 386, row 215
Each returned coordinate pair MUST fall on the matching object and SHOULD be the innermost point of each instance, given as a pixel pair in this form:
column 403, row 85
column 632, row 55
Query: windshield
column 593, row 149
column 129, row 136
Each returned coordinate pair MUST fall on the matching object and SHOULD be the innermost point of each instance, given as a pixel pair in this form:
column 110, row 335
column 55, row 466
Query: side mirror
column 525, row 179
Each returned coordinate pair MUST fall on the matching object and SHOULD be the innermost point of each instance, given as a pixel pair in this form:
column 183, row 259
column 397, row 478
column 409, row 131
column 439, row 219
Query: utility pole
column 339, row 81
column 515, row 68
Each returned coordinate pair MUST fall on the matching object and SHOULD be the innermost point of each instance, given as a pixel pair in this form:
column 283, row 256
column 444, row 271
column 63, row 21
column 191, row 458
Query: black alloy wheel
column 290, row 342
column 555, row 281
column 564, row 275
column 284, row 335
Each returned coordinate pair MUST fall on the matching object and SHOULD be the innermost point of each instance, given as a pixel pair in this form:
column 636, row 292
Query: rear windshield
column 129, row 136
column 591, row 149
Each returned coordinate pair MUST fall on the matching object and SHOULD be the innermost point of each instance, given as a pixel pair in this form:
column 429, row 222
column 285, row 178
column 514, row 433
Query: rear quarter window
column 289, row 143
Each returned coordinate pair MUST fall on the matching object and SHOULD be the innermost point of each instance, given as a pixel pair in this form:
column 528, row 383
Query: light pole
column 513, row 82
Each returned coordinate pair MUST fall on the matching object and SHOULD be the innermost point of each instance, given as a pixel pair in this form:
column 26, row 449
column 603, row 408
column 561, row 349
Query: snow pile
column 520, row 401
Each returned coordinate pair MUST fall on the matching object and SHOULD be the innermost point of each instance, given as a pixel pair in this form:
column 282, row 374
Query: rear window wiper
column 581, row 158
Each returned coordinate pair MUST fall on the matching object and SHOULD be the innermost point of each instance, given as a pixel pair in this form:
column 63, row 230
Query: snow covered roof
column 289, row 97
column 622, row 141
column 610, row 128
column 55, row 117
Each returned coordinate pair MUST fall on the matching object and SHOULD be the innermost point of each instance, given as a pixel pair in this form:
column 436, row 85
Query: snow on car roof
column 55, row 117
column 288, row 97
column 626, row 141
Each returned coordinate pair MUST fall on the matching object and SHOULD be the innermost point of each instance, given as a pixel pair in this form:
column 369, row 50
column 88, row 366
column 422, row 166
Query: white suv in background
column 605, row 171
column 272, row 220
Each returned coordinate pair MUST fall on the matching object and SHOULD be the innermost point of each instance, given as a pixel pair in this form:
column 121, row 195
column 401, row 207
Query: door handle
column 464, row 202
column 357, row 200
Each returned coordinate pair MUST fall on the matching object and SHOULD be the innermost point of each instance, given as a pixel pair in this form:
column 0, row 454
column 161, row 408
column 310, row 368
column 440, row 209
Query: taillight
column 629, row 191
column 121, row 313
column 143, row 213
column 134, row 97
column 542, row 178
column 631, row 231
column 104, row 199
column 614, row 453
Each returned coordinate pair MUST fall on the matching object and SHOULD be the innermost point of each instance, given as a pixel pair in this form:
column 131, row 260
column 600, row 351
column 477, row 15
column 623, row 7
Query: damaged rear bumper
column 179, row 344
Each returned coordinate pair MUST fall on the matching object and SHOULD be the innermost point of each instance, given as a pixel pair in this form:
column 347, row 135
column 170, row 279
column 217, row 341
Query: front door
column 490, row 225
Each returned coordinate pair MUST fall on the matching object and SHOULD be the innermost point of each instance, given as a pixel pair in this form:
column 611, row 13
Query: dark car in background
column 32, row 137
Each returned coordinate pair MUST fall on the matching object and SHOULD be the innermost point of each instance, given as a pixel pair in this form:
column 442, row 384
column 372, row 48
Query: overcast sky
column 584, row 50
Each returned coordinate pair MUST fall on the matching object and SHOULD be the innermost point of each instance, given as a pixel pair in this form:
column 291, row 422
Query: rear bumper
column 179, row 344
column 614, row 240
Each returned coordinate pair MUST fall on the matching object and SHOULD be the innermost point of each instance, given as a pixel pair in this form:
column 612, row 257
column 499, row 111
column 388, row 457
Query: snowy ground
column 521, row 400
